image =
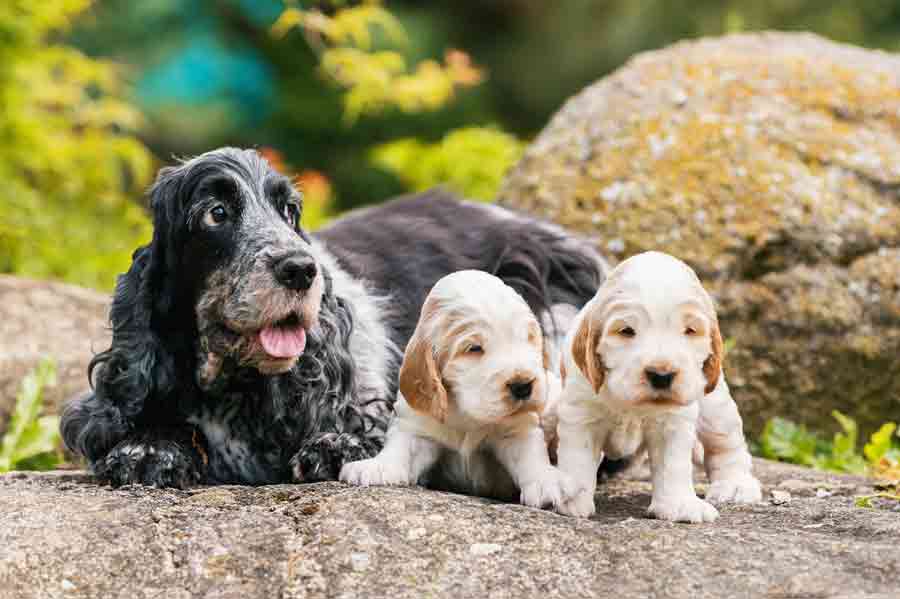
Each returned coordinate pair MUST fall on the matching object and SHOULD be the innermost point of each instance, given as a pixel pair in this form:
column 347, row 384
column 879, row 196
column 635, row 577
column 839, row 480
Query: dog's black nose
column 659, row 380
column 520, row 390
column 296, row 271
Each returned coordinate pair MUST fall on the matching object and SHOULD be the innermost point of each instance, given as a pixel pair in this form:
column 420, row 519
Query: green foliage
column 470, row 161
column 67, row 163
column 375, row 80
column 789, row 442
column 31, row 441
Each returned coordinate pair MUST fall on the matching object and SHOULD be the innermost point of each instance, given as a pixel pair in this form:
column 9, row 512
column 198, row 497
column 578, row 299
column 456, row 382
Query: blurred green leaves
column 470, row 161
column 31, row 441
column 68, row 161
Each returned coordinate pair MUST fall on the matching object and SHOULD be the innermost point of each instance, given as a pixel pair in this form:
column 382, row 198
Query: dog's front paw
column 581, row 505
column 550, row 489
column 738, row 489
column 323, row 456
column 158, row 463
column 372, row 473
column 686, row 508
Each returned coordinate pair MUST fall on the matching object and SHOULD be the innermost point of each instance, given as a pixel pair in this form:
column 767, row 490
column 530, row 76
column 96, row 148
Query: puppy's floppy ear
column 584, row 350
column 713, row 364
column 138, row 366
column 420, row 380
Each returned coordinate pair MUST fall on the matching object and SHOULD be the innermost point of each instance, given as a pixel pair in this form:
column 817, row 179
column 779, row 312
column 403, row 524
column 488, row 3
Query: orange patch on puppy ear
column 584, row 351
column 713, row 364
column 420, row 380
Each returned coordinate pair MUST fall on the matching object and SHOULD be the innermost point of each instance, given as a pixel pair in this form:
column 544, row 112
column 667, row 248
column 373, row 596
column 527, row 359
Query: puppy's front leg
column 580, row 453
column 525, row 458
column 726, row 459
column 404, row 459
column 670, row 441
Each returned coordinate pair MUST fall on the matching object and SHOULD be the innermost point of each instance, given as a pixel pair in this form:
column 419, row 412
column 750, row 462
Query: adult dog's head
column 477, row 353
column 650, row 336
column 229, row 274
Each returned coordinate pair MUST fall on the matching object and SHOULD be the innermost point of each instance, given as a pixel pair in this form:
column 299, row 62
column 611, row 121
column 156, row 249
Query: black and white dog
column 246, row 351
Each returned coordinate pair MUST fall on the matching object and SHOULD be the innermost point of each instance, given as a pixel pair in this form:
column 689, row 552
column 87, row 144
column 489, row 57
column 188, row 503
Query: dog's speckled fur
column 187, row 395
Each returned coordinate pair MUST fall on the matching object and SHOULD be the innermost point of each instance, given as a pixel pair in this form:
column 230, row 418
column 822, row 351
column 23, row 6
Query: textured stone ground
column 61, row 535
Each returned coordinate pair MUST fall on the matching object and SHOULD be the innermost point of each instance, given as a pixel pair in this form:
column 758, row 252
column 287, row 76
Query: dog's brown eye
column 475, row 349
column 216, row 215
column 627, row 332
column 689, row 331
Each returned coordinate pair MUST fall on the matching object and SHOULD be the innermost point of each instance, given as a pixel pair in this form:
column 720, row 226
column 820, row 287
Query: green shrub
column 68, row 163
column 31, row 442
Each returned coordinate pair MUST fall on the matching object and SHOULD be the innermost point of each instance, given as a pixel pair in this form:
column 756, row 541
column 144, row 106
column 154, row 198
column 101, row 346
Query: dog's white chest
column 624, row 434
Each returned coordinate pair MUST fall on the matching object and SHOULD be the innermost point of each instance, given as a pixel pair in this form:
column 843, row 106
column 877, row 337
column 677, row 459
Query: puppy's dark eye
column 474, row 349
column 215, row 216
column 690, row 331
column 627, row 332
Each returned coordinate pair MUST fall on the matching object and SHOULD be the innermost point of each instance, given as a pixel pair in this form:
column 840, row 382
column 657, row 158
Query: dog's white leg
column 580, row 453
column 726, row 459
column 525, row 458
column 404, row 459
column 670, row 442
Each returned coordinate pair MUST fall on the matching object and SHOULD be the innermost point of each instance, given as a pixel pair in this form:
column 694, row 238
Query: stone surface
column 771, row 163
column 63, row 536
column 43, row 318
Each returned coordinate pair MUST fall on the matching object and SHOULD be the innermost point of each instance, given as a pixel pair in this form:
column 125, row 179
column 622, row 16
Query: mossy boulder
column 771, row 163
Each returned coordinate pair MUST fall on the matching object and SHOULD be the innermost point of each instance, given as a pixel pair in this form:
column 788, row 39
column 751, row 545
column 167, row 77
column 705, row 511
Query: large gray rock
column 771, row 163
column 45, row 319
column 61, row 535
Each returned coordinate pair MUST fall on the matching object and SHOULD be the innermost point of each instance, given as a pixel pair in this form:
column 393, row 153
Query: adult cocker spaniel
column 247, row 351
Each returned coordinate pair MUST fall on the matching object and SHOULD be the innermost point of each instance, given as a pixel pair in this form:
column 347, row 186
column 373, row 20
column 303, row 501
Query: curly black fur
column 187, row 395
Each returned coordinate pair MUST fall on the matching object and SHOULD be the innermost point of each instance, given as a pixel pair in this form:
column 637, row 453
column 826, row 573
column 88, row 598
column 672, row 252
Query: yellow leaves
column 69, row 164
column 471, row 161
column 375, row 80
column 349, row 26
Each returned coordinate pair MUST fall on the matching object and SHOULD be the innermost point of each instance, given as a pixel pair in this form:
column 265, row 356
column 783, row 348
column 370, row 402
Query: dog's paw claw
column 742, row 489
column 151, row 463
column 373, row 472
column 322, row 457
column 581, row 505
column 689, row 508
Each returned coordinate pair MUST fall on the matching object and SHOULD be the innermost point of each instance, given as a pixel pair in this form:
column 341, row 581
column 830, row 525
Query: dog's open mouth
column 284, row 339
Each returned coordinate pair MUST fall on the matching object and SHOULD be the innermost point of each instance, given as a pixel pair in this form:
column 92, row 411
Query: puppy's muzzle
column 659, row 379
column 520, row 390
column 296, row 271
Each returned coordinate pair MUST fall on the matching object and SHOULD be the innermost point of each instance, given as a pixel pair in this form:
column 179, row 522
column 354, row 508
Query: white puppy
column 643, row 371
column 473, row 386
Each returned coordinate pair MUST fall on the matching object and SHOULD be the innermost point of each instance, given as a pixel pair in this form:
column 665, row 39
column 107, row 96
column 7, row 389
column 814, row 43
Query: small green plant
column 31, row 442
column 787, row 441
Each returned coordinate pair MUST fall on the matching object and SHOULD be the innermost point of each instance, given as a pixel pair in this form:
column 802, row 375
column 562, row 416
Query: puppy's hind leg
column 725, row 456
column 404, row 459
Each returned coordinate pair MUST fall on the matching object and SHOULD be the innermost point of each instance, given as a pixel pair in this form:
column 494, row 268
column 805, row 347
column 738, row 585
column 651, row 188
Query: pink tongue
column 282, row 342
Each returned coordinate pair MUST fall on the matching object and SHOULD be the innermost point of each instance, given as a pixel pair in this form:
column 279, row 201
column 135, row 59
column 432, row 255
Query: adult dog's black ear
column 136, row 376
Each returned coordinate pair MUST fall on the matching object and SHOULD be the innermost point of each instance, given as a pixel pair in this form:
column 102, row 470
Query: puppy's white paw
column 373, row 472
column 550, row 489
column 738, row 489
column 580, row 506
column 686, row 508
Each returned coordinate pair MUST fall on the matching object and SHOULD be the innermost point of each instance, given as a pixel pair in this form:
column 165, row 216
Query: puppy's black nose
column 659, row 380
column 520, row 390
column 296, row 271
